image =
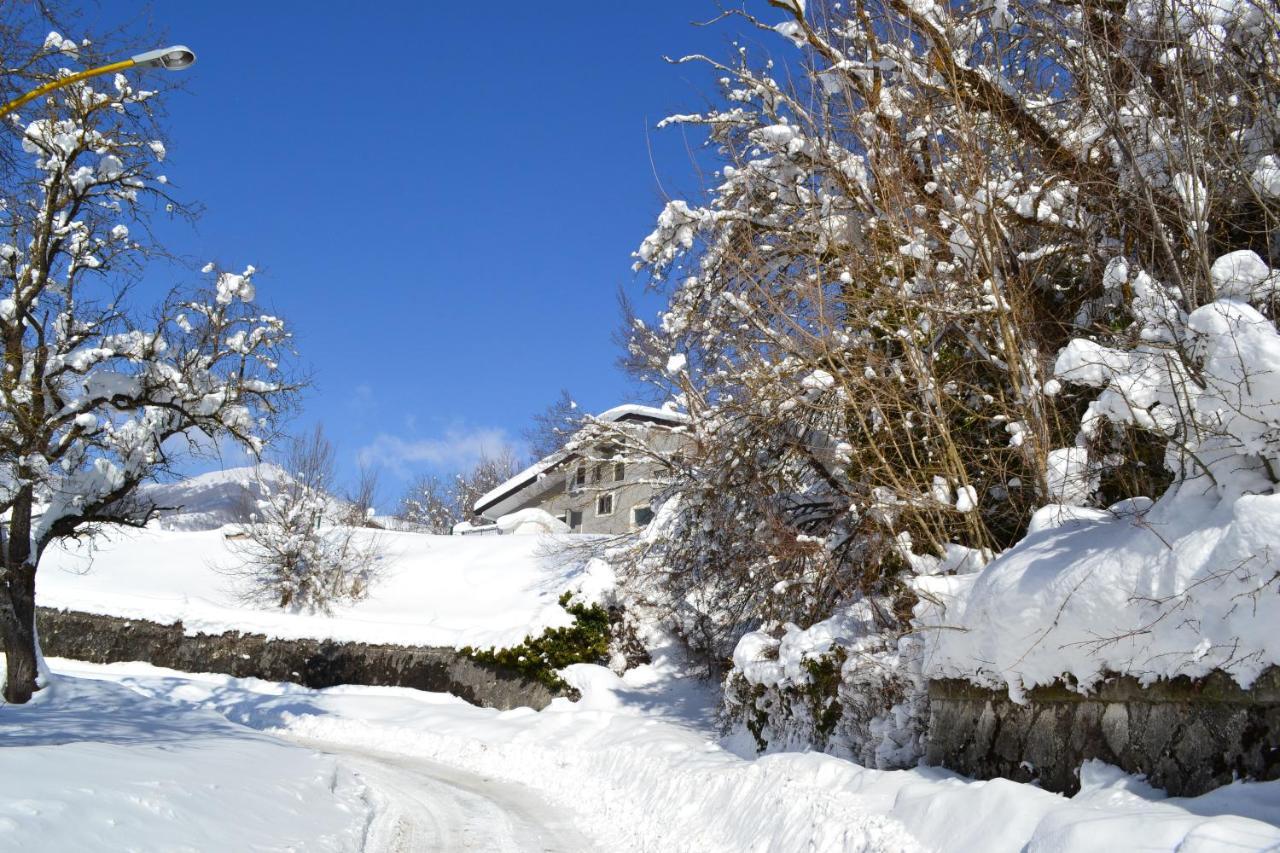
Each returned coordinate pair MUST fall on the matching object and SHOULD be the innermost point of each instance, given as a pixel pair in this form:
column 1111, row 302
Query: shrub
column 585, row 641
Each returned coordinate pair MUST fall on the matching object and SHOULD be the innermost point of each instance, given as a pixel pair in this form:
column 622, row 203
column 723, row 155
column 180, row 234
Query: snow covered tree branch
column 94, row 393
column 961, row 261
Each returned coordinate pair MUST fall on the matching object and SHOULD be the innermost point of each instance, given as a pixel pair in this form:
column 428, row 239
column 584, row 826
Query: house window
column 641, row 515
column 619, row 472
column 574, row 520
column 597, row 474
column 563, row 518
column 604, row 505
column 579, row 478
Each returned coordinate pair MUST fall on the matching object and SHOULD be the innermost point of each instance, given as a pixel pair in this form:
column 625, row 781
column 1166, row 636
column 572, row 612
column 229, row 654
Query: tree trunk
column 18, row 626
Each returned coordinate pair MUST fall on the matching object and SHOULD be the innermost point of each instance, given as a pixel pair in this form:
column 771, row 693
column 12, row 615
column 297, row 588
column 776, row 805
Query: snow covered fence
column 313, row 663
column 1186, row 735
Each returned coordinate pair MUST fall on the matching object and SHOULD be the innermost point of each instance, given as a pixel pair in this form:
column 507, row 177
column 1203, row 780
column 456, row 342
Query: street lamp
column 174, row 58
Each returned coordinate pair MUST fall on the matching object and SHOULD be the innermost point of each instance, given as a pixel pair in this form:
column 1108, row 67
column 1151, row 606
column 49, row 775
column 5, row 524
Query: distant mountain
column 212, row 500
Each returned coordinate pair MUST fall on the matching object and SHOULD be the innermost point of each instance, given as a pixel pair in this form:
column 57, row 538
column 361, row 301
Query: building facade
column 605, row 485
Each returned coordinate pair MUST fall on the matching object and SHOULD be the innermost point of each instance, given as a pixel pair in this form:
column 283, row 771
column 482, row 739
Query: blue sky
column 443, row 198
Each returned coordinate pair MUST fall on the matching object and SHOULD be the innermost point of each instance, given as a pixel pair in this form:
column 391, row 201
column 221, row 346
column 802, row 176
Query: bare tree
column 553, row 427
column 298, row 552
column 362, row 498
column 436, row 505
column 428, row 505
column 487, row 474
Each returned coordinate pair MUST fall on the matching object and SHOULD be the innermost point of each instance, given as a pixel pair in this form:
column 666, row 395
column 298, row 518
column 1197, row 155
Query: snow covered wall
column 96, row 638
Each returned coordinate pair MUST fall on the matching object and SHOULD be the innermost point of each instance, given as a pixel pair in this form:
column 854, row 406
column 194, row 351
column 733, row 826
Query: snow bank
column 634, row 761
column 436, row 590
column 1181, row 587
column 531, row 521
column 91, row 765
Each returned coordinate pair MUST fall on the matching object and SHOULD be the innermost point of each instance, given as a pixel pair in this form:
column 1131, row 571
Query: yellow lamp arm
column 66, row 81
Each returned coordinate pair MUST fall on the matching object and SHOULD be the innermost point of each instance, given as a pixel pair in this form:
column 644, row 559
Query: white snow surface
column 434, row 590
column 1179, row 587
column 636, row 765
column 90, row 765
column 425, row 806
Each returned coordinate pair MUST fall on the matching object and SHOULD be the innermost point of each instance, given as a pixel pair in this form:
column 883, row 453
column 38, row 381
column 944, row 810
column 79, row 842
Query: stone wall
column 1186, row 736
column 313, row 663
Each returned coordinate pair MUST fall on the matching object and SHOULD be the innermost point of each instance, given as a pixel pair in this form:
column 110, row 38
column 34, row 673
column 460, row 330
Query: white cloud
column 362, row 397
column 458, row 448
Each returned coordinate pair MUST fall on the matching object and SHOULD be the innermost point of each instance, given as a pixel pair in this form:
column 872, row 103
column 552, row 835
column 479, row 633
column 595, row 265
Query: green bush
column 585, row 641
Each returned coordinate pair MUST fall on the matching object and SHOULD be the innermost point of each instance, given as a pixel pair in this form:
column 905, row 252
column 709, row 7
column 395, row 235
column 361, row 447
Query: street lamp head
column 174, row 58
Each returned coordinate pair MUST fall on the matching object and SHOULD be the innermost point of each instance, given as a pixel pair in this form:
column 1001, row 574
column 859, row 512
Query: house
column 604, row 481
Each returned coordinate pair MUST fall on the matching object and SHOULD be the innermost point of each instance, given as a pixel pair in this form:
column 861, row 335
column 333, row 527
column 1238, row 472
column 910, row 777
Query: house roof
column 629, row 412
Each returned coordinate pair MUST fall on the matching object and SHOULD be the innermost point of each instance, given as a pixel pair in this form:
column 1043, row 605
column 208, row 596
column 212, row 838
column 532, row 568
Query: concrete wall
column 1186, row 736
column 313, row 663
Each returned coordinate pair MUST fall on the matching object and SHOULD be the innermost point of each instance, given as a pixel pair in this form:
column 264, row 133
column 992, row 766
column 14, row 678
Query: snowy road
column 423, row 806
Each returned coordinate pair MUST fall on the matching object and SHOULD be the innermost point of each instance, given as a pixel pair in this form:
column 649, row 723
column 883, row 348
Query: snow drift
column 1181, row 587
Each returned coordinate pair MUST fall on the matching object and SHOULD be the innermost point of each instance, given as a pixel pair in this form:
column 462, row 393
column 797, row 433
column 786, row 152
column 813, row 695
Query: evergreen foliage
column 585, row 641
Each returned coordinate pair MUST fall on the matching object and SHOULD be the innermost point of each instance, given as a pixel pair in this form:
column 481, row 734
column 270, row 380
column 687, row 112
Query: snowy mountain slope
column 209, row 501
column 217, row 498
column 435, row 590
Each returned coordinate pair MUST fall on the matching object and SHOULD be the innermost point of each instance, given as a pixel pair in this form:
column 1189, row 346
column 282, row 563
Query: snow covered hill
column 434, row 590
column 638, row 763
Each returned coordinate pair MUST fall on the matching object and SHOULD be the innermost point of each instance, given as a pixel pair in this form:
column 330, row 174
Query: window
column 619, row 472
column 596, row 474
column 578, row 478
column 604, row 505
column 641, row 515
column 563, row 518
column 575, row 519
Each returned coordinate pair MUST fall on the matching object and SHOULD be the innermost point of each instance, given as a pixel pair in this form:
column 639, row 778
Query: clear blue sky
column 443, row 198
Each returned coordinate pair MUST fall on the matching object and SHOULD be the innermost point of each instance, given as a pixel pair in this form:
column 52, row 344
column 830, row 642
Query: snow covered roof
column 529, row 476
column 634, row 412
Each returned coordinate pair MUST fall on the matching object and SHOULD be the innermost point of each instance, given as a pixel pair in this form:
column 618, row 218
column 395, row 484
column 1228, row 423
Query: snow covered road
column 423, row 806
column 628, row 766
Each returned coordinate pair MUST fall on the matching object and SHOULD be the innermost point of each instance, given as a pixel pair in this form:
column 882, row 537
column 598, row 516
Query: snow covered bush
column 300, row 550
column 960, row 261
column 840, row 685
column 1182, row 587
column 97, row 394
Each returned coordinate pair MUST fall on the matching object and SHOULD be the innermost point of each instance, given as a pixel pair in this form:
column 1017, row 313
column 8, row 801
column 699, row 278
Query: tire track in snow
column 422, row 806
